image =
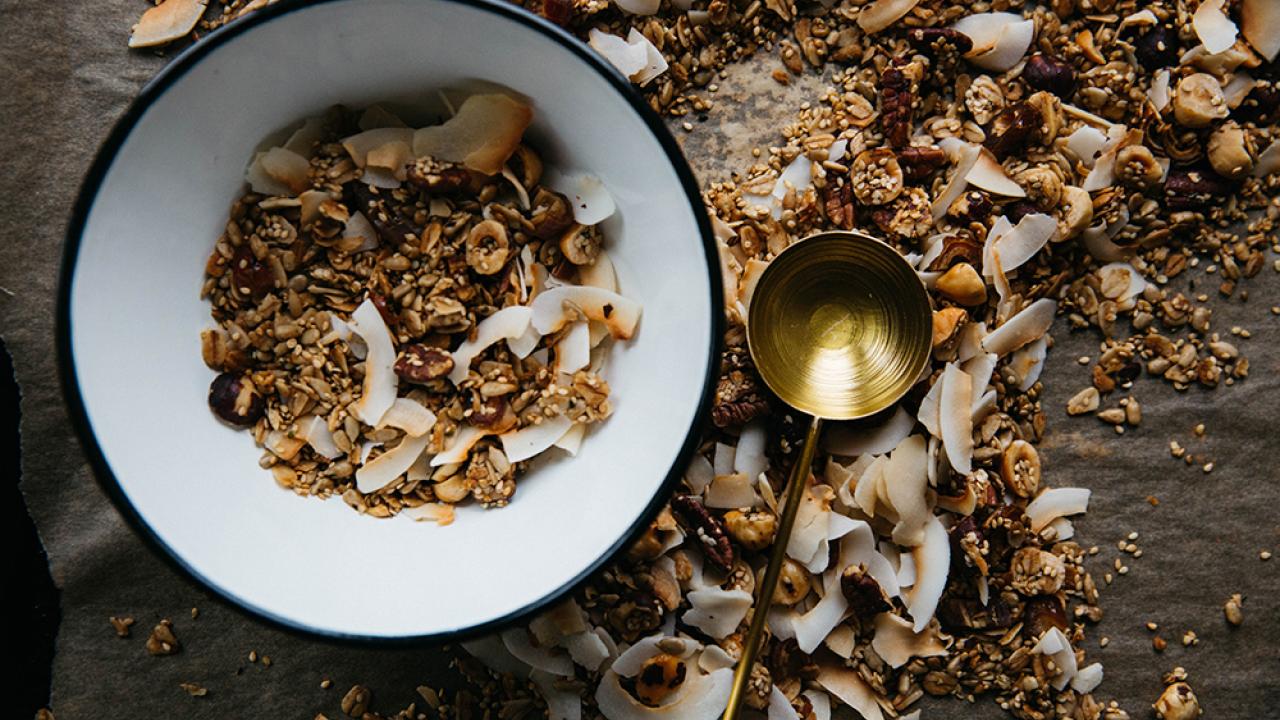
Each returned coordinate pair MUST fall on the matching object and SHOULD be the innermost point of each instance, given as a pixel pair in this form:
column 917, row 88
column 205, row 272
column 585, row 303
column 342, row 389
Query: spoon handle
column 764, row 598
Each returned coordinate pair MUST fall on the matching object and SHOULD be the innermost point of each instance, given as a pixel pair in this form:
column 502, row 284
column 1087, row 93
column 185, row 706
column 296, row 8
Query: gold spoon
column 840, row 327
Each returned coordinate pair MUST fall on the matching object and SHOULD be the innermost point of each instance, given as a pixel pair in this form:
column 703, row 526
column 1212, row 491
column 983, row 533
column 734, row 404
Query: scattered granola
column 162, row 640
column 407, row 318
column 121, row 625
column 1233, row 609
column 194, row 689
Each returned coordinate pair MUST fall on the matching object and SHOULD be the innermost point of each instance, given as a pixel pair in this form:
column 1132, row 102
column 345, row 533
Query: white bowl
column 130, row 316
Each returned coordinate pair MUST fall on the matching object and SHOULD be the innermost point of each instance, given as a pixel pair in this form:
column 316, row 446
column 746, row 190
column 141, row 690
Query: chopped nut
column 1230, row 151
column 356, row 702
column 1198, row 101
column 1178, row 702
column 1233, row 609
column 121, row 625
column 1085, row 401
column 963, row 285
column 753, row 530
column 162, row 640
column 876, row 176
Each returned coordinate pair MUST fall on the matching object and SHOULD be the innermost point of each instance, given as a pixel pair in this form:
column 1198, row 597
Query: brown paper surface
column 66, row 75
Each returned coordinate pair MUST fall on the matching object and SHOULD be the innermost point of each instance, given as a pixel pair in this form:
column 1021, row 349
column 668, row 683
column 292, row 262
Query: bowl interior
column 134, row 318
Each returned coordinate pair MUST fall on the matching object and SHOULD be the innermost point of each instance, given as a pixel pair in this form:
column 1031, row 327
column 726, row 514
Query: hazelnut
column 1137, row 168
column 1048, row 72
column 1076, row 213
column 793, row 583
column 962, row 284
column 864, row 594
column 1011, row 129
column 753, row 530
column 580, row 245
column 1157, row 48
column 946, row 326
column 1178, row 703
column 659, row 676
column 1020, row 469
column 1043, row 186
column 1050, row 109
column 234, row 399
column 421, row 364
column 250, row 277
column 876, row 176
column 1198, row 101
column 1230, row 151
column 487, row 247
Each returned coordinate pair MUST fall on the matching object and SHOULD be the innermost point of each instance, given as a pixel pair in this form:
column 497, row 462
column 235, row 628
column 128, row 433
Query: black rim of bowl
column 105, row 158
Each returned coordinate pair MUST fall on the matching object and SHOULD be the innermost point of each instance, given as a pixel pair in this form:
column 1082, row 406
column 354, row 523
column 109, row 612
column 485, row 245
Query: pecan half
column 837, row 201
column 1052, row 73
column 708, row 530
column 864, row 594
column 421, row 364
column 918, row 163
column 234, row 399
column 897, row 100
column 740, row 396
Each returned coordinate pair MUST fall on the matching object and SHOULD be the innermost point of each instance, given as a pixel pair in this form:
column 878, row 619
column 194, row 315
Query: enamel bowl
column 130, row 317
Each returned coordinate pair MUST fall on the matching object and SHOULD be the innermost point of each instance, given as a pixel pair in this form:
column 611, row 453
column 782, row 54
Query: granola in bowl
column 406, row 318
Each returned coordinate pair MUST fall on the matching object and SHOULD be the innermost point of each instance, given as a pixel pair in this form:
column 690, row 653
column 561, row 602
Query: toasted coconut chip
column 851, row 439
column 491, row 651
column 440, row 513
column 930, row 409
column 845, row 478
column 798, row 175
column 283, row 445
column 842, row 641
column 730, row 491
column 985, row 29
column 724, row 456
column 821, row 703
column 384, row 469
column 527, row 442
column 1260, row 23
column 573, row 351
column 1013, row 42
column 1056, row 645
column 749, row 459
column 481, row 136
column 932, row 560
column 963, row 504
column 632, row 660
column 750, row 278
column 459, row 447
column 700, row 697
column 1158, row 93
column 864, row 493
column 955, row 417
column 634, row 56
column 524, row 345
column 589, row 198
column 380, row 381
column 408, row 415
column 713, row 657
column 1087, row 142
column 278, row 172
column 509, row 323
column 1031, row 323
column 394, row 157
column 964, row 156
column 377, row 116
column 358, row 226
column 383, row 141
column 1215, row 30
column 522, row 195
column 1028, row 362
column 988, row 174
column 813, row 521
column 699, row 474
column 849, row 688
column 1136, row 283
column 1269, row 161
column 655, row 63
column 639, row 7
column 1063, row 527
column 309, row 205
column 906, row 571
column 880, row 14
column 980, row 369
column 315, row 432
column 1142, row 18
column 380, row 178
column 562, row 704
column 1014, row 248
column 1056, row 503
column 549, row 660
column 571, row 440
column 1234, row 92
column 858, row 548
column 780, row 707
column 907, row 467
column 1103, row 174
column 812, row 627
column 555, row 308
column 1087, row 678
column 896, row 643
column 600, row 274
column 1097, row 238
column 716, row 611
column 170, row 20
column 304, row 139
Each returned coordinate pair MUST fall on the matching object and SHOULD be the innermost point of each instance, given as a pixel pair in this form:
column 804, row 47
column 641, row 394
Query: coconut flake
column 906, row 571
column 909, row 473
column 851, row 439
column 639, row 7
column 384, row 469
column 482, row 135
column 984, row 29
column 1020, row 244
column 562, row 704
column 1158, row 94
column 524, row 345
column 813, row 626
column 590, row 200
column 380, row 381
column 1235, row 91
column 930, row 409
column 1012, row 43
column 965, row 155
column 491, row 651
column 278, row 172
column 634, row 57
column 571, row 440
column 1269, row 161
column 1087, row 142
column 557, row 307
column 1216, row 31
column 1142, row 18
column 699, row 474
column 1056, row 646
column 1028, row 362
column 527, row 442
column 956, row 417
column 509, row 323
column 896, row 643
column 166, row 22
column 988, row 174
column 780, row 707
column 315, row 432
column 848, row 686
column 932, row 559
column 629, row 662
column 880, row 14
column 409, row 415
column 573, row 351
column 749, row 459
column 283, row 445
column 730, row 491
column 1055, row 503
column 1031, row 323
column 751, row 274
column 1087, row 678
column 440, row 513
column 812, row 523
column 1260, row 23
column 460, row 445
column 600, row 274
column 700, row 697
column 521, row 645
column 864, row 493
column 716, row 611
column 714, row 657
column 387, row 147
column 858, row 549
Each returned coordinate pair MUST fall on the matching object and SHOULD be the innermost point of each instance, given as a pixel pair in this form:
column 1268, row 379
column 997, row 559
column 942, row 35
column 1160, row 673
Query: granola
column 407, row 318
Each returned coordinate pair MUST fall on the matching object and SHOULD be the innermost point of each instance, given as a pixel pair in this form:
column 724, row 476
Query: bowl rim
column 110, row 484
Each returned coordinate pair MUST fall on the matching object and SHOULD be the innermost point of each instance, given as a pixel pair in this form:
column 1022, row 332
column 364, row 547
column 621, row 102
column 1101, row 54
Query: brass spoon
column 840, row 327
